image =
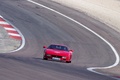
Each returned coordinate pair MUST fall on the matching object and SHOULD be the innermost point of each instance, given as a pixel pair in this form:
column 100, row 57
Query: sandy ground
column 107, row 11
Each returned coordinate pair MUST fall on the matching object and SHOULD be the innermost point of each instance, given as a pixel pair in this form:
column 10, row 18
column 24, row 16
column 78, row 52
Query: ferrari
column 57, row 52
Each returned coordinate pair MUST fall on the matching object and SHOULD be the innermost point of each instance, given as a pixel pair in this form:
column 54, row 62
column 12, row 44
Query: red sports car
column 57, row 52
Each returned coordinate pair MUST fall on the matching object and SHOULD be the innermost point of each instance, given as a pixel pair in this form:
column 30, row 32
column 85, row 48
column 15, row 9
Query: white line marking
column 3, row 22
column 12, row 34
column 1, row 16
column 114, row 50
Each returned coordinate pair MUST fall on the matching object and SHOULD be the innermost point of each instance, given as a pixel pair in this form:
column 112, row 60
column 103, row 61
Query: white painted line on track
column 23, row 39
column 17, row 35
column 1, row 16
column 110, row 45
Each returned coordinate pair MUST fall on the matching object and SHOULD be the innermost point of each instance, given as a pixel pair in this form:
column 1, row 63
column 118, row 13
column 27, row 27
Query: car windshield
column 58, row 47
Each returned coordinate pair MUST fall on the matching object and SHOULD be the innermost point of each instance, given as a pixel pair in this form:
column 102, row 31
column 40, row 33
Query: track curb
column 12, row 32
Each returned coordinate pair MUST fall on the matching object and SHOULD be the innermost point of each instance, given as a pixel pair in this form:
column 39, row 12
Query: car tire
column 68, row 61
column 45, row 58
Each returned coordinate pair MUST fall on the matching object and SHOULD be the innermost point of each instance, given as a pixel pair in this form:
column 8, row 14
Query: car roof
column 59, row 44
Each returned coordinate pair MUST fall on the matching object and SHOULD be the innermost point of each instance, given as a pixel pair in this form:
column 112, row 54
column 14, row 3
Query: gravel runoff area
column 7, row 44
column 106, row 11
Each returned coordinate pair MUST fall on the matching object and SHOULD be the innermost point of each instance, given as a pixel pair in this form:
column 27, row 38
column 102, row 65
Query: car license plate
column 54, row 58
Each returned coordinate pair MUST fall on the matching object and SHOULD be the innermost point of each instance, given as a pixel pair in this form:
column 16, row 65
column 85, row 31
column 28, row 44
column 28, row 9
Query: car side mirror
column 44, row 46
column 71, row 51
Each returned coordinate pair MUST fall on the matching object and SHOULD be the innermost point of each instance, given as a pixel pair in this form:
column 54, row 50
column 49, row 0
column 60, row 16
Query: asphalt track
column 43, row 27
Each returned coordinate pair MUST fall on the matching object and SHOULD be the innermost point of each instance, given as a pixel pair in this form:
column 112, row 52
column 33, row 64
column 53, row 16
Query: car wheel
column 68, row 61
column 45, row 58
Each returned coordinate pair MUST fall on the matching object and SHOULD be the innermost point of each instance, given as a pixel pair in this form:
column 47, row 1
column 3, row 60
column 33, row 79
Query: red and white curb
column 12, row 32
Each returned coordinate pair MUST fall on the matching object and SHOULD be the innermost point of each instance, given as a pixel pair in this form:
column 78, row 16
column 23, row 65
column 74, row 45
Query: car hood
column 57, row 52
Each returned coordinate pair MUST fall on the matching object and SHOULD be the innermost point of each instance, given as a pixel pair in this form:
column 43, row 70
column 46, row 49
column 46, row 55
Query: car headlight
column 64, row 57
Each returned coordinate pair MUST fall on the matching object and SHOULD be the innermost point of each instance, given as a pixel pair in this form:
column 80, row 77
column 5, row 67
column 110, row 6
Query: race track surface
column 42, row 27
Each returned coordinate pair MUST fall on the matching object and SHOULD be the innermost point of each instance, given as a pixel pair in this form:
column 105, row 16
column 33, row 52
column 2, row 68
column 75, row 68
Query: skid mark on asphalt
column 12, row 32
